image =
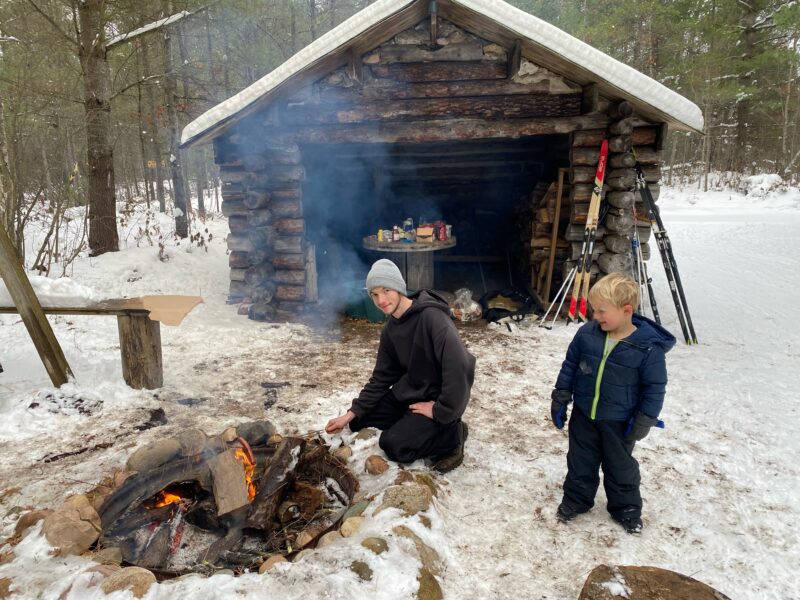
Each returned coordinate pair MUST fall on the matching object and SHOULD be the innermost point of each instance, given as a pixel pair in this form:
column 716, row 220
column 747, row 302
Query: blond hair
column 617, row 289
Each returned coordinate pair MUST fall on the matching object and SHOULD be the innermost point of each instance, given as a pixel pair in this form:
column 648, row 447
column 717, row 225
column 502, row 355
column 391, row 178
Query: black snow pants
column 596, row 443
column 407, row 436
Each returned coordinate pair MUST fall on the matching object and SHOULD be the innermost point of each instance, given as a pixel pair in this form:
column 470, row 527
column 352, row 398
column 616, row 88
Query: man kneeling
column 422, row 378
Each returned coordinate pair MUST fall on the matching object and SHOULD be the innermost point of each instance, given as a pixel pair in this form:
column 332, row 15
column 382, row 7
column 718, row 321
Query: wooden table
column 414, row 259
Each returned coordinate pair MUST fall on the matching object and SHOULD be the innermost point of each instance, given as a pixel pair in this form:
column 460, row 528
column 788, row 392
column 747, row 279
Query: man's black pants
column 408, row 436
column 596, row 443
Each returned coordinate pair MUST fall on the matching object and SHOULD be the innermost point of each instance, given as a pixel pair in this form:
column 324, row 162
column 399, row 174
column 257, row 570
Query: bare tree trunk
column 744, row 106
column 8, row 195
column 312, row 18
column 103, row 235
column 148, row 192
column 176, row 167
column 153, row 129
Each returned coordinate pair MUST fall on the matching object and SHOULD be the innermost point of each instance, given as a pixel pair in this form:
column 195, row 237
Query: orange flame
column 249, row 469
column 165, row 498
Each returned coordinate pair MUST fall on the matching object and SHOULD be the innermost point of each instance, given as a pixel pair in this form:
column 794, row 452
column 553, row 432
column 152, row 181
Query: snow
column 720, row 483
column 147, row 28
column 523, row 24
column 63, row 291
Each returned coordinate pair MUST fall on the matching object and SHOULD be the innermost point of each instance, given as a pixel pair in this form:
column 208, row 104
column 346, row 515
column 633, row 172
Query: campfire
column 228, row 503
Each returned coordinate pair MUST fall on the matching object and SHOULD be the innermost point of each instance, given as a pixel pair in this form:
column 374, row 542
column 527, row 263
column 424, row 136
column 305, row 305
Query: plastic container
column 360, row 305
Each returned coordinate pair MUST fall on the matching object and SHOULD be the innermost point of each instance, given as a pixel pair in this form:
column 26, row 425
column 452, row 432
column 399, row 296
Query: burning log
column 274, row 478
column 228, row 505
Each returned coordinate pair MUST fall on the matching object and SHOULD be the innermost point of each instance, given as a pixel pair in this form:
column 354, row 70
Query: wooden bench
column 139, row 334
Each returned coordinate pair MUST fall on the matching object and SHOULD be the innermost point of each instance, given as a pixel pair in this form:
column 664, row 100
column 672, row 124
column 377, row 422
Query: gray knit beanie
column 384, row 273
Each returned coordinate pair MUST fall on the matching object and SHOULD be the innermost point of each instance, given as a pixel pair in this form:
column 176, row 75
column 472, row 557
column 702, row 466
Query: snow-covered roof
column 627, row 80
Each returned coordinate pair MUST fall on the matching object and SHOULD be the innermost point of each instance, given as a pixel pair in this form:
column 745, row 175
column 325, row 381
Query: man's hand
column 423, row 408
column 337, row 424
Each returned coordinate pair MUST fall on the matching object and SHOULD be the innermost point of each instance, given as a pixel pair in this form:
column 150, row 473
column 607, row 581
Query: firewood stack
column 543, row 223
column 262, row 197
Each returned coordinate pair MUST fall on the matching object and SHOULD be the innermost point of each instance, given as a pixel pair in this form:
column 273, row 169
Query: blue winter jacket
column 634, row 376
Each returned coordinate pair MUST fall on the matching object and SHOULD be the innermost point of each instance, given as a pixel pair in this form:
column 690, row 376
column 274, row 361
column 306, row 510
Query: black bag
column 509, row 302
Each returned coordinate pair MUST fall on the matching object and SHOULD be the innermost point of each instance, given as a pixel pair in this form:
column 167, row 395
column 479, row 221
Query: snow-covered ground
column 721, row 483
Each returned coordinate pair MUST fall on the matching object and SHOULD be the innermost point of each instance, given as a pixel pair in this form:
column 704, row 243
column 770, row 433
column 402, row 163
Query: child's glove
column 558, row 407
column 639, row 426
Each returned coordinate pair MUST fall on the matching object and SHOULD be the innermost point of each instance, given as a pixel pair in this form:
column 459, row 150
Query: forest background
column 94, row 94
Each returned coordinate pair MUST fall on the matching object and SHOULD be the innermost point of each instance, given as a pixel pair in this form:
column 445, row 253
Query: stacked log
column 624, row 210
column 543, row 210
column 262, row 198
column 584, row 155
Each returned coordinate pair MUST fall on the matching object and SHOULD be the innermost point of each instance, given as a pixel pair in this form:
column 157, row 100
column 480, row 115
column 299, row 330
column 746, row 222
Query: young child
column 616, row 372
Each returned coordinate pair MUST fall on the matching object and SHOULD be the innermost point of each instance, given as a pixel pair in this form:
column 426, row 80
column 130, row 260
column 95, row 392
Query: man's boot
column 448, row 462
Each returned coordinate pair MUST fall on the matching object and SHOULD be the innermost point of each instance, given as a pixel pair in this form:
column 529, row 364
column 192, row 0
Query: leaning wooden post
column 554, row 235
column 30, row 310
column 140, row 346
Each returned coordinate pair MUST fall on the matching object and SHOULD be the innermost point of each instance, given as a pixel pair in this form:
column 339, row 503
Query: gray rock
column 362, row 570
column 429, row 588
column 256, row 432
column 192, row 442
column 375, row 544
column 73, row 527
column 154, row 455
column 366, row 434
column 29, row 519
column 410, row 498
column 356, row 509
column 429, row 558
column 645, row 582
column 329, row 538
column 136, row 579
column 376, row 465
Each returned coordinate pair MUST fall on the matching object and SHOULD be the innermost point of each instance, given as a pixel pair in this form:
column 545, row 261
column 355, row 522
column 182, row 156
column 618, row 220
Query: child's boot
column 566, row 513
column 632, row 525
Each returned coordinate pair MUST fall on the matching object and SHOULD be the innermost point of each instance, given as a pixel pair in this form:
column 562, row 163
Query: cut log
column 230, row 485
column 233, row 175
column 648, row 156
column 461, row 71
column 273, row 482
column 257, row 274
column 435, row 130
column 237, row 274
column 624, row 127
column 620, row 224
column 574, row 233
column 644, row 136
column 259, row 217
column 620, row 110
column 618, row 244
column 238, row 290
column 652, row 173
column 312, row 293
column 288, row 244
column 256, row 199
column 289, row 176
column 290, row 293
column 619, row 144
column 140, row 346
column 290, row 226
column 625, row 160
column 486, row 107
column 621, row 180
column 282, row 209
column 581, row 193
column 261, row 311
column 238, row 223
column 582, row 174
column 590, row 138
column 254, row 162
column 576, row 247
column 239, row 260
column 289, row 261
column 459, row 52
column 234, row 207
column 584, row 156
column 623, row 200
column 264, row 292
column 290, row 276
column 611, row 262
column 279, row 195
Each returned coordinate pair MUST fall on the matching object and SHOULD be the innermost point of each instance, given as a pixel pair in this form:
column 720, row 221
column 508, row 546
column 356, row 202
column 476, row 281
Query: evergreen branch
column 50, row 20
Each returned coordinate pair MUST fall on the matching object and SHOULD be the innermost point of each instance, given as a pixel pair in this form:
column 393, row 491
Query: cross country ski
column 580, row 285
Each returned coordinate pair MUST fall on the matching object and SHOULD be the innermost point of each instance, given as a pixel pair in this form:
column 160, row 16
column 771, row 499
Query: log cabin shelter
column 465, row 111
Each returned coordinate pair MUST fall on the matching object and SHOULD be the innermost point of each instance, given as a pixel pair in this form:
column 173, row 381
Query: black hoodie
column 421, row 357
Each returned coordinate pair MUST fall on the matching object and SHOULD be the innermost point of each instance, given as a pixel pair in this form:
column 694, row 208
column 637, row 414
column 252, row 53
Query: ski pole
column 563, row 299
column 564, row 285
